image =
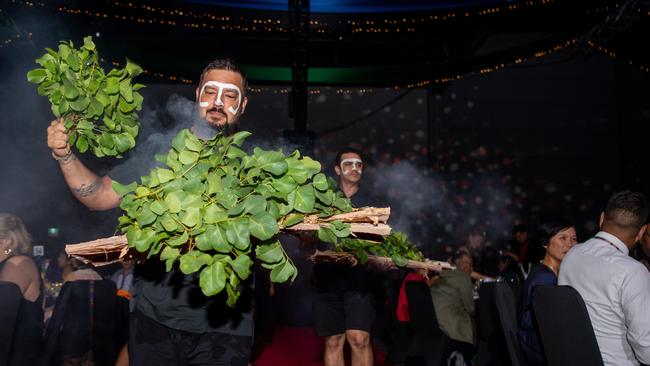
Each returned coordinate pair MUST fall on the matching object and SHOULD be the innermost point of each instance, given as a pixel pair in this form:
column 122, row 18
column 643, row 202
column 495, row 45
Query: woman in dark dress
column 556, row 236
column 18, row 268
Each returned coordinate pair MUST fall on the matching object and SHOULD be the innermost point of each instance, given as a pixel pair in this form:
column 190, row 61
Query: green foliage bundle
column 84, row 95
column 395, row 246
column 211, row 204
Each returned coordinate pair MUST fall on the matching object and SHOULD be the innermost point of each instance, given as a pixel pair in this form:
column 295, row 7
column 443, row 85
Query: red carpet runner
column 298, row 347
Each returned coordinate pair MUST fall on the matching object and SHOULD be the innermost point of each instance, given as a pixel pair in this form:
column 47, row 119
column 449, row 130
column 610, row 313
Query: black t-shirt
column 176, row 301
column 330, row 277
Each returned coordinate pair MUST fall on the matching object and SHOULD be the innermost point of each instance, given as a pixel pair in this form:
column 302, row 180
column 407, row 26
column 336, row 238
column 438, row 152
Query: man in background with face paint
column 173, row 323
column 344, row 305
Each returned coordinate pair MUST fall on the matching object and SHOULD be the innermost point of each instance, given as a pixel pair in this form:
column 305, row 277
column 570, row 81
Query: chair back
column 507, row 309
column 428, row 340
column 565, row 329
column 492, row 348
column 88, row 320
column 9, row 307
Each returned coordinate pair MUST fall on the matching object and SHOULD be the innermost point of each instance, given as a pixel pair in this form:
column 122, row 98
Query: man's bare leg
column 334, row 350
column 360, row 344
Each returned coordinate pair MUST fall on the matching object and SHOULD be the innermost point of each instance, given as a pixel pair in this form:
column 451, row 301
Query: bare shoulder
column 21, row 263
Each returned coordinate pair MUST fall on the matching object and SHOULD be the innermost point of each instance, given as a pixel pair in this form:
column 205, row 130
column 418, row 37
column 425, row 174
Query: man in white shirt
column 615, row 287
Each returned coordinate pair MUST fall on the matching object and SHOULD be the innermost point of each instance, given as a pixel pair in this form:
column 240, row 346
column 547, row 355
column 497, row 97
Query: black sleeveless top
column 28, row 332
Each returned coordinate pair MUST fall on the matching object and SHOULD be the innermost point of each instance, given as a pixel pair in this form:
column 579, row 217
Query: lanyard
column 608, row 242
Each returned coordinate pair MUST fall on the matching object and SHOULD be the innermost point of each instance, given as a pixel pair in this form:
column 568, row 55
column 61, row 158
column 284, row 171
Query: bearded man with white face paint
column 173, row 322
column 344, row 304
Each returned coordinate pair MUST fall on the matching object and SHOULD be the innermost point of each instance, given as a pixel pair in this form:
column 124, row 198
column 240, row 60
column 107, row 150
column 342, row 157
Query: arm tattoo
column 88, row 189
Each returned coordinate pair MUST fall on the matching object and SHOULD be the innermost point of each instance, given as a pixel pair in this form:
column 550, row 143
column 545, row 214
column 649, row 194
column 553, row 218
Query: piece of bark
column 100, row 252
column 373, row 215
column 355, row 228
column 385, row 263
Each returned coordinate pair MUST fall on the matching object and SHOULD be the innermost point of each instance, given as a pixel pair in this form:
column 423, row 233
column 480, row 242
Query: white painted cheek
column 204, row 104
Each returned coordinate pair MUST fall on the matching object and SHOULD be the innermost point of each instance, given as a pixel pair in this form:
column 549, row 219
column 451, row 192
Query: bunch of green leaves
column 395, row 246
column 212, row 208
column 99, row 109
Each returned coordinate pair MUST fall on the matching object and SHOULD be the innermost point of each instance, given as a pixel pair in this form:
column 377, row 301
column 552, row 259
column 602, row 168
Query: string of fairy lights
column 15, row 38
column 147, row 14
column 612, row 55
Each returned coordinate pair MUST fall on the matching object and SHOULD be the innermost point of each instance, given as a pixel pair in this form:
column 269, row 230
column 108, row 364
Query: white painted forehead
column 220, row 85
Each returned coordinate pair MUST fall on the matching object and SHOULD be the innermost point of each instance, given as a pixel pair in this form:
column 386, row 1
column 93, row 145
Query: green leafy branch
column 211, row 204
column 99, row 109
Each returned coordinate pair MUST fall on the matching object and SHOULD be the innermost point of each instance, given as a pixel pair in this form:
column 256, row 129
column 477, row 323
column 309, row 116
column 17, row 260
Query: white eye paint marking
column 220, row 87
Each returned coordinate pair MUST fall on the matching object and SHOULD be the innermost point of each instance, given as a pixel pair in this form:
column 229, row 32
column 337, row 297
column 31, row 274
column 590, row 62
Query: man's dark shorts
column 151, row 343
column 336, row 312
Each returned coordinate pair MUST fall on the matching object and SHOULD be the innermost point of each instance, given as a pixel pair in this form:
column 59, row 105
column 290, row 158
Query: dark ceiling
column 384, row 48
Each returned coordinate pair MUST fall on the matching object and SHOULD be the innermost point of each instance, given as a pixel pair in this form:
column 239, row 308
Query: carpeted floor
column 298, row 347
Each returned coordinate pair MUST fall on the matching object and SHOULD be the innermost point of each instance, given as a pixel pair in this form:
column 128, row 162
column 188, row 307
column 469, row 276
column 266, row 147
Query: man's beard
column 206, row 130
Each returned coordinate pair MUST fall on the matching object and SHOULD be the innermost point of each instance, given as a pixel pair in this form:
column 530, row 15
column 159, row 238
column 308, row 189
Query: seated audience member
column 416, row 275
column 556, row 236
column 81, row 272
column 641, row 252
column 509, row 270
column 453, row 301
column 17, row 267
column 474, row 247
column 615, row 287
column 123, row 278
column 64, row 264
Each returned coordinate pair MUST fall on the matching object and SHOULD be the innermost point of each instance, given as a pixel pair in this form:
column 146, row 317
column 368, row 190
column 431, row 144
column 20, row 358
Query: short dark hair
column 347, row 150
column 520, row 228
column 549, row 227
column 477, row 230
column 229, row 65
column 627, row 210
column 459, row 255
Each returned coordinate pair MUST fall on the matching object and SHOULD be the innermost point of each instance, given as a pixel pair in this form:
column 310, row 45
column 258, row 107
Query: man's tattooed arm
column 86, row 190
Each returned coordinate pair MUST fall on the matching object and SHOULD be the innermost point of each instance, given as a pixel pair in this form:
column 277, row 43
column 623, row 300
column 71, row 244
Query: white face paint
column 223, row 90
column 351, row 165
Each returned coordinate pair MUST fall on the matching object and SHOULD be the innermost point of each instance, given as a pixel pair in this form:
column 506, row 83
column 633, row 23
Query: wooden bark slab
column 373, row 215
column 385, row 263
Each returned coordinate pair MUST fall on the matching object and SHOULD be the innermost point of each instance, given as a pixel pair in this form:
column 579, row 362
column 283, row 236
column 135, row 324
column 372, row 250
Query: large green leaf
column 303, row 199
column 214, row 213
column 272, row 162
column 270, row 253
column 193, row 260
column 285, row 184
column 238, row 233
column 283, row 272
column 214, row 237
column 254, row 204
column 173, row 202
column 169, row 255
column 36, row 76
column 320, row 182
column 213, row 279
column 327, row 235
column 242, row 266
column 122, row 190
column 297, row 170
column 263, row 226
column 191, row 216
column 188, row 157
